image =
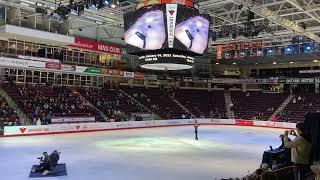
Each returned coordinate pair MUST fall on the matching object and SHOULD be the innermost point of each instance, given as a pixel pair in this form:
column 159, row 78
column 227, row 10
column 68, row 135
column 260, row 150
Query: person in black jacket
column 196, row 125
column 44, row 163
column 54, row 158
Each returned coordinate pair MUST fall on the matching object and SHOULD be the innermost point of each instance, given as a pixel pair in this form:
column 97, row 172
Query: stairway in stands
column 102, row 116
column 228, row 101
column 187, row 111
column 282, row 106
column 155, row 116
column 22, row 117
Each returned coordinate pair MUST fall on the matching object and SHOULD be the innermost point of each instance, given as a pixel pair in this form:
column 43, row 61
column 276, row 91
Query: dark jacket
column 54, row 158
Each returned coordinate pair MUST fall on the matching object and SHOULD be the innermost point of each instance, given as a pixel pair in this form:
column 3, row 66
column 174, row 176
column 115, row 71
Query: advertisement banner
column 93, row 70
column 72, row 119
column 12, row 62
column 151, row 77
column 110, row 72
column 139, row 75
column 171, row 11
column 39, row 59
column 128, row 74
column 219, row 51
column 274, row 124
column 95, row 46
column 52, row 65
column 114, row 72
column 84, row 127
column 65, row 67
column 105, row 71
column 242, row 122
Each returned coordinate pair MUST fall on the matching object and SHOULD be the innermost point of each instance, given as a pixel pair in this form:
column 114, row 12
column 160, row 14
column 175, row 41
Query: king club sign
column 95, row 46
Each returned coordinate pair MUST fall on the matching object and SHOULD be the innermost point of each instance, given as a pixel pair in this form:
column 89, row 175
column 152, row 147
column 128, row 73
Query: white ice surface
column 143, row 154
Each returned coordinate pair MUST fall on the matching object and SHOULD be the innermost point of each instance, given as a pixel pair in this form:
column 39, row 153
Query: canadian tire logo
column 78, row 127
column 22, row 130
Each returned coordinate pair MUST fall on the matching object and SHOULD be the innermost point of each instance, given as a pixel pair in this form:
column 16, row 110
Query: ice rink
column 169, row 153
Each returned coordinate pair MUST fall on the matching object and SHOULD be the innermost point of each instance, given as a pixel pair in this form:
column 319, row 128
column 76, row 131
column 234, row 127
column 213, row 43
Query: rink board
column 105, row 126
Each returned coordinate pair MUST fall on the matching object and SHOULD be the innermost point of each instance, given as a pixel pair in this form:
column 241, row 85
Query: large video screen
column 166, row 26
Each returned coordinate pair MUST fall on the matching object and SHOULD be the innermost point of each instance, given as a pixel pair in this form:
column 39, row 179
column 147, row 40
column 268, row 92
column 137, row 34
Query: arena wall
column 10, row 131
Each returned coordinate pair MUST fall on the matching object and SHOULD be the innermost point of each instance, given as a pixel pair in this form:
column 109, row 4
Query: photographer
column 54, row 158
column 44, row 163
column 300, row 150
column 53, row 162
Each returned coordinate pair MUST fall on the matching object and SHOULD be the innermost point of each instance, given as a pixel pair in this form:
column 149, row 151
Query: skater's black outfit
column 196, row 131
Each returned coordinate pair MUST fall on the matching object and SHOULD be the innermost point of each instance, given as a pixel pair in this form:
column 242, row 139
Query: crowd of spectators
column 8, row 116
column 299, row 106
column 46, row 101
column 112, row 101
column 110, row 107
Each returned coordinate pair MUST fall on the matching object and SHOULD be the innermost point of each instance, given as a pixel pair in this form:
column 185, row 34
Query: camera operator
column 44, row 163
column 54, row 158
column 53, row 162
column 300, row 150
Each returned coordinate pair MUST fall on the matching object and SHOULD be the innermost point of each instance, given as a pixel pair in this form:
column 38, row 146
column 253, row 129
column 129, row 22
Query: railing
column 38, row 23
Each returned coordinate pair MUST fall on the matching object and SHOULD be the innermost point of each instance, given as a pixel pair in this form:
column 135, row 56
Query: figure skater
column 196, row 125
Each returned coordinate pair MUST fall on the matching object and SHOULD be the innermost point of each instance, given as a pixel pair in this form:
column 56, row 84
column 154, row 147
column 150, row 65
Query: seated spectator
column 299, row 98
column 294, row 100
column 38, row 123
column 300, row 150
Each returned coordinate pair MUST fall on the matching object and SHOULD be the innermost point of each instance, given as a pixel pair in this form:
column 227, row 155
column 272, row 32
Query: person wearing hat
column 300, row 150
column 316, row 170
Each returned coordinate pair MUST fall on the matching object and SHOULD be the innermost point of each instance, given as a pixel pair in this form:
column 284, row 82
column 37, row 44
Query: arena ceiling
column 282, row 17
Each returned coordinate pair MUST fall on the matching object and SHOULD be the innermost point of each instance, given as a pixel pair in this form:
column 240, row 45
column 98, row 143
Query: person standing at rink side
column 196, row 125
column 300, row 150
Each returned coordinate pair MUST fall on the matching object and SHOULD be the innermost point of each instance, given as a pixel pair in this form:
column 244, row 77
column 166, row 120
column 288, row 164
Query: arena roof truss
column 284, row 19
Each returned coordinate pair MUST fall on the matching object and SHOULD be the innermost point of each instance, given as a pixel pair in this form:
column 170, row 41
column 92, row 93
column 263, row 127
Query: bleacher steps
column 228, row 100
column 91, row 105
column 140, row 104
column 282, row 106
column 22, row 116
column 186, row 110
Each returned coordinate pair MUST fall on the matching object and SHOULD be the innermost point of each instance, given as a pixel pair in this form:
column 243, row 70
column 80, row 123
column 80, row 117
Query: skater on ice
column 196, row 125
